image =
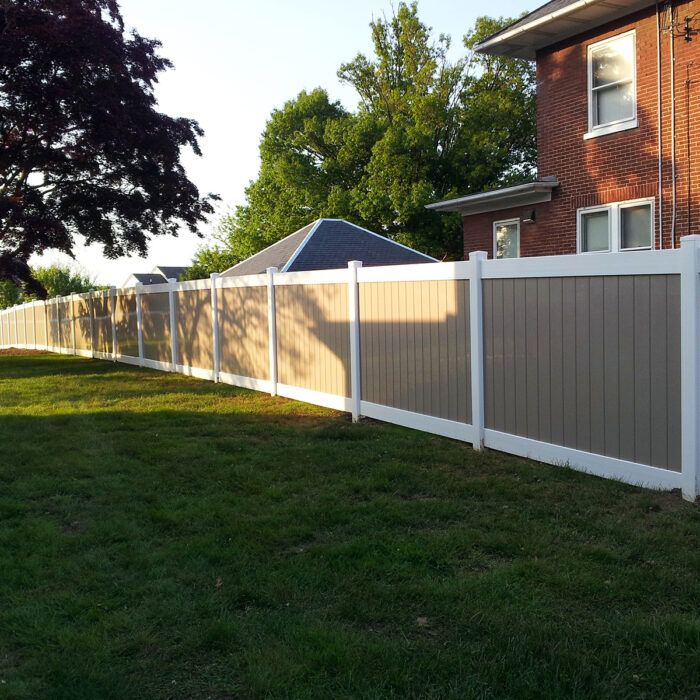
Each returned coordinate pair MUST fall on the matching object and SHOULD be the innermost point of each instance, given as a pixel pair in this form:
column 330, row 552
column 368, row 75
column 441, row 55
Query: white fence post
column 173, row 322
column 272, row 328
column 690, row 366
column 113, row 304
column 216, row 350
column 58, row 322
column 91, row 311
column 354, row 317
column 72, row 319
column 139, row 322
column 16, row 308
column 46, row 323
column 34, row 305
column 476, row 336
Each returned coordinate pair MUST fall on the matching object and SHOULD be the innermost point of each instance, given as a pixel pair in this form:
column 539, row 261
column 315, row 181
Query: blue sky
column 235, row 61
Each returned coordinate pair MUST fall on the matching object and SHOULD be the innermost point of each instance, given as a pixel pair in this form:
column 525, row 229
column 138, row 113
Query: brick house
column 618, row 111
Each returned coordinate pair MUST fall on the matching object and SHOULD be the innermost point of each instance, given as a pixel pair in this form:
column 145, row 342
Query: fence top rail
column 242, row 281
column 641, row 262
column 193, row 285
column 418, row 272
column 339, row 276
column 151, row 288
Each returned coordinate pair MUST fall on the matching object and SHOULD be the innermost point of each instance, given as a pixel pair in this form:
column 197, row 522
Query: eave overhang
column 506, row 198
column 525, row 38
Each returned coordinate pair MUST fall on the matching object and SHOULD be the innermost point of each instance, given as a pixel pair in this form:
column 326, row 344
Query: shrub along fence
column 588, row 360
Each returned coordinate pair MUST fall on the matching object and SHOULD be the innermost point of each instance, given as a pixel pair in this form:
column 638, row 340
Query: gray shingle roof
column 277, row 255
column 149, row 278
column 171, row 272
column 328, row 244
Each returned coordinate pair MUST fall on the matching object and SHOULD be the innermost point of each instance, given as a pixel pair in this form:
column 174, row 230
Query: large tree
column 83, row 147
column 425, row 129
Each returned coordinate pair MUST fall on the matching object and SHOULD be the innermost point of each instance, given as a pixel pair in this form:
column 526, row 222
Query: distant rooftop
column 328, row 244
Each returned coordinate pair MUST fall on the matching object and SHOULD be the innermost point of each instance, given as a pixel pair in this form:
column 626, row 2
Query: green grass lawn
column 165, row 537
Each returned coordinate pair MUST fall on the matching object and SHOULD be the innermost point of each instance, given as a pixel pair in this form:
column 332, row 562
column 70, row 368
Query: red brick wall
column 613, row 167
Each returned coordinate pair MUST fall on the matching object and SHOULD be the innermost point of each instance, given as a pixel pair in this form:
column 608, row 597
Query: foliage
column 164, row 537
column 425, row 129
column 55, row 279
column 84, row 149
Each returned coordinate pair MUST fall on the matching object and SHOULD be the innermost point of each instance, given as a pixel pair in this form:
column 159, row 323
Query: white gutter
column 535, row 23
column 496, row 196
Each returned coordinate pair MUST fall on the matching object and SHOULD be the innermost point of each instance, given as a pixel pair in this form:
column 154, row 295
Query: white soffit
column 525, row 38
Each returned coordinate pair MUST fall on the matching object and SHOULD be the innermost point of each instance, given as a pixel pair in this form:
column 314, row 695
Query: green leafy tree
column 10, row 294
column 84, row 148
column 55, row 279
column 425, row 129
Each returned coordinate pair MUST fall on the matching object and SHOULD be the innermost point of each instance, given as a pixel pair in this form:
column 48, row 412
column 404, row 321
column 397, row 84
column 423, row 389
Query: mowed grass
column 164, row 537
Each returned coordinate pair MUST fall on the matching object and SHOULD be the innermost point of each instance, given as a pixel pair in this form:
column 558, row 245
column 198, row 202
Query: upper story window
column 612, row 85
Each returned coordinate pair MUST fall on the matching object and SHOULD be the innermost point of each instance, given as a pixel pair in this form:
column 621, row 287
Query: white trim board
column 636, row 262
column 197, row 372
column 599, row 465
column 318, row 398
column 416, row 272
column 245, row 382
column 419, row 421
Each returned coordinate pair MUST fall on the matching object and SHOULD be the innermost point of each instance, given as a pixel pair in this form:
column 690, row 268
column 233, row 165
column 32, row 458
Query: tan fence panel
column 313, row 337
column 21, row 336
column 591, row 363
column 195, row 343
column 243, row 332
column 81, row 309
column 52, row 309
column 127, row 325
column 66, row 327
column 40, row 325
column 29, row 325
column 102, row 322
column 155, row 321
column 415, row 347
column 13, row 330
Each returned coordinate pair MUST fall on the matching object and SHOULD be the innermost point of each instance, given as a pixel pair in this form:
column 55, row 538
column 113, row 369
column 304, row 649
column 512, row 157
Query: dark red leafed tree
column 83, row 148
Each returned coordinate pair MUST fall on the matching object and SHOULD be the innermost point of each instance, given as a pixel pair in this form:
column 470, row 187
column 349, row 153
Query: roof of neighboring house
column 146, row 278
column 170, row 272
column 328, row 244
column 553, row 22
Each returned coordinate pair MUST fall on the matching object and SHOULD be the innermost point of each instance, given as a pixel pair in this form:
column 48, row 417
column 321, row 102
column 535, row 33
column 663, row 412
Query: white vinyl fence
column 591, row 360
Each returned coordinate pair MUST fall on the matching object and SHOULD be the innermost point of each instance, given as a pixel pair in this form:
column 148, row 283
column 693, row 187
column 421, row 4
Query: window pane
column 594, row 232
column 507, row 240
column 635, row 227
column 614, row 103
column 613, row 62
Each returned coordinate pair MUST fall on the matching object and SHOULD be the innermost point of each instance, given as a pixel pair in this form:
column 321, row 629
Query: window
column 506, row 239
column 616, row 227
column 612, row 88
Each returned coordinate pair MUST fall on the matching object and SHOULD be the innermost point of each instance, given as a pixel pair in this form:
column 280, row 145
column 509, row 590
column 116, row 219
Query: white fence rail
column 590, row 361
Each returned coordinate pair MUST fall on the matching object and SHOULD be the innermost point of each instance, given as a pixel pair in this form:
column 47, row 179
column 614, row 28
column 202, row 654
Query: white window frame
column 614, row 225
column 621, row 124
column 505, row 222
